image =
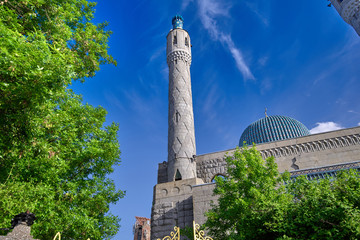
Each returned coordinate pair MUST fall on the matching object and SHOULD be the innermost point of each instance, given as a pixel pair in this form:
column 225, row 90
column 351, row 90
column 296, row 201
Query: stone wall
column 178, row 203
column 203, row 199
column 313, row 151
column 20, row 232
column 162, row 173
column 172, row 206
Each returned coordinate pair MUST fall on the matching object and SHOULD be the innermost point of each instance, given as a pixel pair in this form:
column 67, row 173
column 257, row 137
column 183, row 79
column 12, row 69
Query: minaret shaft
column 349, row 10
column 181, row 133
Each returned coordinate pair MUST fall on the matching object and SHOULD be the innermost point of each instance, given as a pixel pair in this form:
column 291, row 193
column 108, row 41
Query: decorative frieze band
column 333, row 168
column 179, row 55
column 314, row 146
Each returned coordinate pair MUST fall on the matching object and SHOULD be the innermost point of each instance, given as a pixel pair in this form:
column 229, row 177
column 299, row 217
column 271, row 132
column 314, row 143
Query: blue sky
column 297, row 59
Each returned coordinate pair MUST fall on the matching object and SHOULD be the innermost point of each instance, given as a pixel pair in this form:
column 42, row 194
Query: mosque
column 184, row 188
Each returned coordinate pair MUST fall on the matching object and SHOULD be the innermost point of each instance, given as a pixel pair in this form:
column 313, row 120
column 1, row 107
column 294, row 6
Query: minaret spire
column 181, row 132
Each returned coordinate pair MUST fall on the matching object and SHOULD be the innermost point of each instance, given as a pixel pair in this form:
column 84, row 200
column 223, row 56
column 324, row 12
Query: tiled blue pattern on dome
column 272, row 128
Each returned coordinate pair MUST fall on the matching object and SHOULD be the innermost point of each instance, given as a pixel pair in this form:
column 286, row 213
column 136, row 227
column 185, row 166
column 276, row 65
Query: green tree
column 255, row 203
column 55, row 152
column 44, row 46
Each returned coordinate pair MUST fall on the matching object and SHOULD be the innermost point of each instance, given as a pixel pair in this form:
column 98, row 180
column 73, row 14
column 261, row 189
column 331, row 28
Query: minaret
column 181, row 132
column 349, row 10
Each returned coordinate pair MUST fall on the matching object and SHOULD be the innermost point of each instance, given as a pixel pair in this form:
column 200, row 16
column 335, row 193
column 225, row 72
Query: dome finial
column 266, row 112
column 177, row 21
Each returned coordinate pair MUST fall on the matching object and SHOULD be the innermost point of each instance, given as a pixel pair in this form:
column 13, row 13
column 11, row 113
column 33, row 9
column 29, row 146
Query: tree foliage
column 55, row 152
column 256, row 202
column 44, row 46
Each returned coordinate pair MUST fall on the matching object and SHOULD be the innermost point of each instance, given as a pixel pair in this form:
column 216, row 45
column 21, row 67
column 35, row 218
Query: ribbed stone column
column 181, row 133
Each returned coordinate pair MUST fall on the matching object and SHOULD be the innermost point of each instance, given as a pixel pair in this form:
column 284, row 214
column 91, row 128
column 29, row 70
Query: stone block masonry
column 172, row 206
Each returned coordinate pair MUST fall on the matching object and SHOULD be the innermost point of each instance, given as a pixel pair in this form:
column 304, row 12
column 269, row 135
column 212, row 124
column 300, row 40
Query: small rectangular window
column 186, row 42
column 175, row 40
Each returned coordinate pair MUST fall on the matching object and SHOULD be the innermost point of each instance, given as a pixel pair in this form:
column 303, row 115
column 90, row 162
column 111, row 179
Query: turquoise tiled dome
column 273, row 128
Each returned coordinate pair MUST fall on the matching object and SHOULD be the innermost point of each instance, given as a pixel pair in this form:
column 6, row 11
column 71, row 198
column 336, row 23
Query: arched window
column 177, row 117
column 186, row 42
column 139, row 233
column 175, row 40
column 177, row 175
column 217, row 175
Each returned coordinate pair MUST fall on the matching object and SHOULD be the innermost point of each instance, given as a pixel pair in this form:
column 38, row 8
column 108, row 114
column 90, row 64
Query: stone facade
column 308, row 152
column 172, row 206
column 349, row 10
column 184, row 192
column 180, row 202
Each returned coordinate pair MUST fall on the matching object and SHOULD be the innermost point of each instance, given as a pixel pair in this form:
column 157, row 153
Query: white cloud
column 209, row 10
column 359, row 124
column 325, row 127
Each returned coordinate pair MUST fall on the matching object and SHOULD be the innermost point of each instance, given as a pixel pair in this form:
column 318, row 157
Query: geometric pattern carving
column 179, row 55
column 181, row 133
column 349, row 8
column 314, row 146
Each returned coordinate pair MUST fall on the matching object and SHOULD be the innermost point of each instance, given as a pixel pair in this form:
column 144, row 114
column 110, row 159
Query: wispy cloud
column 113, row 100
column 254, row 7
column 209, row 11
column 157, row 53
column 266, row 85
column 352, row 111
column 210, row 101
column 263, row 60
column 137, row 102
column 325, row 127
column 185, row 3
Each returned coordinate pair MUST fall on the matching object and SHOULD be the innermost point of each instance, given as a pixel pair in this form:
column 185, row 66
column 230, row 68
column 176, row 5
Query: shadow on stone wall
column 165, row 216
